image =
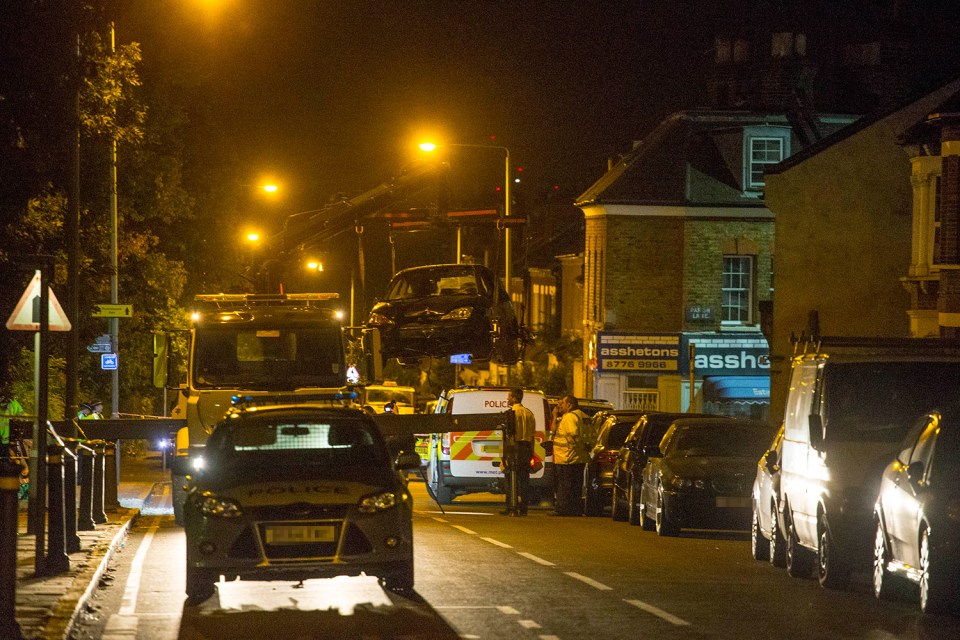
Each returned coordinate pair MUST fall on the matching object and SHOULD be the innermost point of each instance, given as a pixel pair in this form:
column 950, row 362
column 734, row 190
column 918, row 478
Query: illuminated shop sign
column 631, row 352
column 726, row 355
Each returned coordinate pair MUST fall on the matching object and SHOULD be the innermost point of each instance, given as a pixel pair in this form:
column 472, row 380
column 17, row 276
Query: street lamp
column 431, row 146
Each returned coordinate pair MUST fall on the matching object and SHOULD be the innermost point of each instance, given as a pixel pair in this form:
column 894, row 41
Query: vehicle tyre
column 799, row 561
column 617, row 512
column 664, row 523
column 885, row 585
column 936, row 591
column 633, row 509
column 778, row 546
column 201, row 584
column 178, row 497
column 400, row 579
column 832, row 571
column 591, row 492
column 443, row 494
column 759, row 546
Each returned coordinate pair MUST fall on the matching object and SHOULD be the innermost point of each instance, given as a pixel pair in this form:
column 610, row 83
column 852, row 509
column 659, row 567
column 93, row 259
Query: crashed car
column 290, row 492
column 444, row 310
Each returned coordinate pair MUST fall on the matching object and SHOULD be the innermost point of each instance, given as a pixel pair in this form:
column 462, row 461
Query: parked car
column 700, row 475
column 444, row 310
column 631, row 459
column 846, row 415
column 917, row 514
column 766, row 530
column 296, row 492
column 609, row 429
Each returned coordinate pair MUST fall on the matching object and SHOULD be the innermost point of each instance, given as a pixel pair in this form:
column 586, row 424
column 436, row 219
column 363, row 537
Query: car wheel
column 778, row 546
column 633, row 508
column 759, row 546
column 799, row 561
column 832, row 571
column 201, row 584
column 617, row 512
column 178, row 497
column 399, row 580
column 936, row 591
column 646, row 522
column 591, row 500
column 664, row 523
column 884, row 582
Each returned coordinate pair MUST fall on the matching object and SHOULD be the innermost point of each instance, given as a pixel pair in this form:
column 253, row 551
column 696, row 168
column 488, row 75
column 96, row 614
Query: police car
column 292, row 492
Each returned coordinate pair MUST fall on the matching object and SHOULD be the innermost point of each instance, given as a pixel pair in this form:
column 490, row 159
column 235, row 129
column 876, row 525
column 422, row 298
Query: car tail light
column 607, row 456
column 445, row 444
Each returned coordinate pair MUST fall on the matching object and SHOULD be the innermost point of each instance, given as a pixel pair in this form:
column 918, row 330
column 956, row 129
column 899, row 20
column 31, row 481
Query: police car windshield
column 324, row 441
column 268, row 358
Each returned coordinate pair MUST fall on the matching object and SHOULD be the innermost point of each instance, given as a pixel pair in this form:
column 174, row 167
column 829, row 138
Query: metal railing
column 645, row 400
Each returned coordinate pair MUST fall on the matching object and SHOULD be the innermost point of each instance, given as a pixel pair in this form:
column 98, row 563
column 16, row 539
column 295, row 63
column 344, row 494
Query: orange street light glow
column 253, row 237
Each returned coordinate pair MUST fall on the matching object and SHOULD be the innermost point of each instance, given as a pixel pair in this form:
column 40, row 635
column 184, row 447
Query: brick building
column 679, row 253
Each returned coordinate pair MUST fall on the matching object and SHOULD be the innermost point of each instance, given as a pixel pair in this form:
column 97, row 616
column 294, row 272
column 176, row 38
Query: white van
column 465, row 462
column 844, row 419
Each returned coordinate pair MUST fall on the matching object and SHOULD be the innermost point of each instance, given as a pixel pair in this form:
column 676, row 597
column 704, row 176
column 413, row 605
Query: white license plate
column 299, row 534
column 491, row 448
column 733, row 502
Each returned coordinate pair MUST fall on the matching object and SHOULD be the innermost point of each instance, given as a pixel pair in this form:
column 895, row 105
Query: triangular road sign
column 22, row 317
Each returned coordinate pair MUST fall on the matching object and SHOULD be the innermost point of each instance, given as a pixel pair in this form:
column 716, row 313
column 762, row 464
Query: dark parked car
column 918, row 514
column 632, row 458
column 766, row 527
column 297, row 492
column 702, row 473
column 444, row 310
column 609, row 431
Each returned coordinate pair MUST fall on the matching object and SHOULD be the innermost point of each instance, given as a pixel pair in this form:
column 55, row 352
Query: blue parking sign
column 109, row 361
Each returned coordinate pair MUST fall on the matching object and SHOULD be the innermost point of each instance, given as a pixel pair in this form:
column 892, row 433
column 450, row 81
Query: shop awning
column 742, row 388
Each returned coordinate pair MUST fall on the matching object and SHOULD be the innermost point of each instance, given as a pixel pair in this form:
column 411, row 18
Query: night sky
column 333, row 96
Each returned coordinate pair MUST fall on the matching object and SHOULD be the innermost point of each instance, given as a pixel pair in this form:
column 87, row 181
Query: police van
column 465, row 462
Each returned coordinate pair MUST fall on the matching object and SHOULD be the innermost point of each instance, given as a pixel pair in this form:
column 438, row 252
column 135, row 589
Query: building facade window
column 737, row 290
column 764, row 152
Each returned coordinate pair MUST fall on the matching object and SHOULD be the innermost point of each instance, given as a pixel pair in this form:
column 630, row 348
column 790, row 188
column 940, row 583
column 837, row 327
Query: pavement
column 47, row 606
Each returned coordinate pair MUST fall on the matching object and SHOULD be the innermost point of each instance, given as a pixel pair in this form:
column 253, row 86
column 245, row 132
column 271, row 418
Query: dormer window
column 764, row 152
column 763, row 146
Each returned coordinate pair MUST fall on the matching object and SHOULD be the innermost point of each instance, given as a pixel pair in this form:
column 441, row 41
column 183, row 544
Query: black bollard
column 85, row 507
column 70, row 537
column 9, row 492
column 57, row 560
column 99, row 469
column 110, row 481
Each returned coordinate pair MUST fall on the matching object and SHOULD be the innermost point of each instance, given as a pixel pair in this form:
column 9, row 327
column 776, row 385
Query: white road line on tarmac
column 660, row 613
column 498, row 543
column 530, row 556
column 549, row 637
column 128, row 605
column 510, row 611
column 440, row 520
column 528, row 624
column 590, row 581
column 464, row 529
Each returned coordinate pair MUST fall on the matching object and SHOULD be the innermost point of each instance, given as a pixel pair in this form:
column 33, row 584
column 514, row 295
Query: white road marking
column 498, row 543
column 464, row 529
column 460, row 513
column 128, row 605
column 530, row 556
column 440, row 520
column 510, row 611
column 660, row 613
column 549, row 637
column 528, row 624
column 590, row 581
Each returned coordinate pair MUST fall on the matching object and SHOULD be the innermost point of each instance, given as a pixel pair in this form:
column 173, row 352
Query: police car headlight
column 378, row 502
column 217, row 507
column 460, row 313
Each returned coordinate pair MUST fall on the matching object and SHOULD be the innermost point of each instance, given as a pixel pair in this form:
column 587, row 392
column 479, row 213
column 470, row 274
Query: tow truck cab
column 254, row 345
